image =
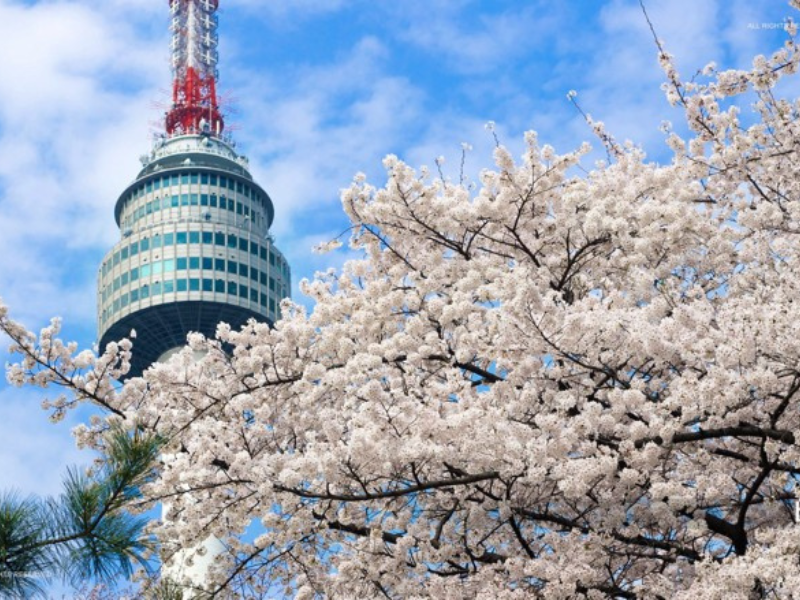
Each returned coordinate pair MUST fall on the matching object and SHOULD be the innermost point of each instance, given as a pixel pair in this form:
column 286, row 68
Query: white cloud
column 34, row 453
column 292, row 9
column 473, row 41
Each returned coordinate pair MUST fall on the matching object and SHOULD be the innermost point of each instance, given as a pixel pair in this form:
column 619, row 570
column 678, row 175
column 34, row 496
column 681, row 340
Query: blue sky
column 317, row 91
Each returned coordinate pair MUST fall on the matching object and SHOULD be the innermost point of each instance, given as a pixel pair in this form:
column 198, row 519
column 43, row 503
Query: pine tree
column 85, row 534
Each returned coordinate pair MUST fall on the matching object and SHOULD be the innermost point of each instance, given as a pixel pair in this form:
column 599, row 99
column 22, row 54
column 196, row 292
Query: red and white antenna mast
column 195, row 108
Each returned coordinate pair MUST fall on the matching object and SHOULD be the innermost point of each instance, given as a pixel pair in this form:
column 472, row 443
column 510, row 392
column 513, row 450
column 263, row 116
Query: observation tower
column 195, row 248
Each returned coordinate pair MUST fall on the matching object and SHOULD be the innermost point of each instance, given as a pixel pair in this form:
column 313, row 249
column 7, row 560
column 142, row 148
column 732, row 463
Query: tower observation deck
column 195, row 248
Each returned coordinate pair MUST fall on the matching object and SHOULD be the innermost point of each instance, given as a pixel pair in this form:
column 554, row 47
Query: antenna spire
column 195, row 108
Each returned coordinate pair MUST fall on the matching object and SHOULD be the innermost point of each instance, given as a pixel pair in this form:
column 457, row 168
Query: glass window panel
column 134, row 295
column 195, row 178
column 243, row 244
column 181, row 264
column 134, row 273
column 203, row 199
column 156, row 267
column 253, row 295
column 238, row 208
column 232, row 267
column 243, row 291
column 204, row 178
column 156, row 241
column 144, row 292
column 124, row 279
column 262, row 252
column 169, row 265
column 144, row 245
column 208, row 263
column 169, row 239
column 181, row 237
column 194, row 262
column 184, row 199
column 231, row 242
column 145, row 271
column 194, row 199
column 194, row 237
column 208, row 237
column 219, row 239
column 219, row 286
column 124, row 253
column 253, row 248
column 219, row 264
column 213, row 201
column 194, row 285
column 253, row 273
column 181, row 285
column 243, row 270
column 169, row 287
column 174, row 201
column 157, row 184
column 185, row 179
column 213, row 180
column 156, row 289
column 232, row 288
column 208, row 285
column 223, row 182
column 262, row 277
column 264, row 300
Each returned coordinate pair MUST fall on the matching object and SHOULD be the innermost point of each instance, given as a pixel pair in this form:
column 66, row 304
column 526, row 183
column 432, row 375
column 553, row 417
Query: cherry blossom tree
column 558, row 384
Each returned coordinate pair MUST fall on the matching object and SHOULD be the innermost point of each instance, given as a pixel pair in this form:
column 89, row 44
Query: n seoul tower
column 194, row 248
